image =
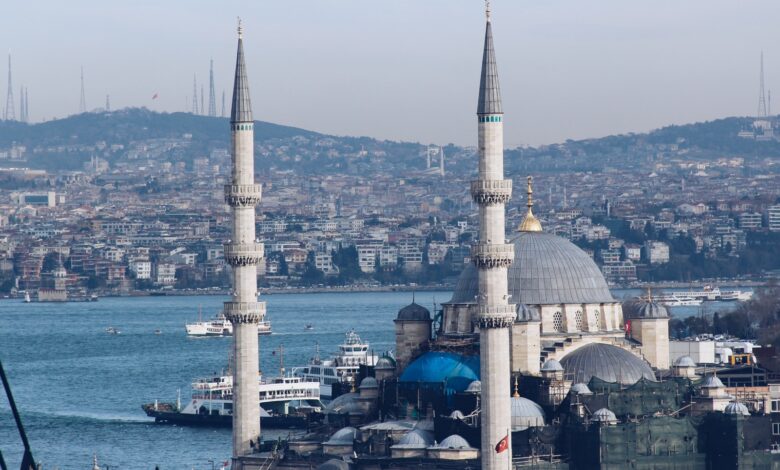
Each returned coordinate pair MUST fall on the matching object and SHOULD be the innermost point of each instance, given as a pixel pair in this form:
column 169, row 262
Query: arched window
column 597, row 315
column 558, row 321
column 578, row 319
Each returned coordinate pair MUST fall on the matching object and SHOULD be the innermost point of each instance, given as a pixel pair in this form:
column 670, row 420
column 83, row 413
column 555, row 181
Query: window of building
column 578, row 320
column 597, row 315
column 776, row 429
column 558, row 321
column 775, row 406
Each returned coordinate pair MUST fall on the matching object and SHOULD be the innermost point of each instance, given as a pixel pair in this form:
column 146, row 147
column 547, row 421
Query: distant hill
column 70, row 142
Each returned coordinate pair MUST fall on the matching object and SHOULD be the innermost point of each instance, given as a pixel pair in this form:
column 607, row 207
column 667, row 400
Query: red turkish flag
column 503, row 444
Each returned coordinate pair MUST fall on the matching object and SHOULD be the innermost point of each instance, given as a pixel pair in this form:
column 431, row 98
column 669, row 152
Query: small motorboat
column 308, row 327
column 158, row 332
column 112, row 331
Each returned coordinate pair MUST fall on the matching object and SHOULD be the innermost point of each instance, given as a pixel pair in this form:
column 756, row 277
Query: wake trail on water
column 101, row 417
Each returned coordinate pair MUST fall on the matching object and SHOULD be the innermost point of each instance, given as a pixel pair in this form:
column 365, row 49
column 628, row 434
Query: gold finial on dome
column 530, row 222
column 516, row 394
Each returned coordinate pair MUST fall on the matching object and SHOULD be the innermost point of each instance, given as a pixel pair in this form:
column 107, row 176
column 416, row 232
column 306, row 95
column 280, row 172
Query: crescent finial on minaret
column 530, row 223
column 487, row 10
column 240, row 29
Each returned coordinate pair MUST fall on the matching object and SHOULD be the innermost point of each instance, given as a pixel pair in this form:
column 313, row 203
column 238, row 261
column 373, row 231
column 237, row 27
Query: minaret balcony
column 238, row 195
column 488, row 192
column 244, row 312
column 496, row 316
column 487, row 256
column 243, row 254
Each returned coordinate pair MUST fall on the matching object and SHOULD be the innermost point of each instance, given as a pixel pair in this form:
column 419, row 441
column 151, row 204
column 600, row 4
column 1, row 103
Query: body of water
column 80, row 389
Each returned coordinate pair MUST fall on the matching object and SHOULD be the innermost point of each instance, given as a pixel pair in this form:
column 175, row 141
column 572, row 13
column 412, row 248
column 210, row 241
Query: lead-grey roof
column 489, row 91
column 604, row 415
column 547, row 270
column 736, row 408
column 684, row 361
column 414, row 312
column 454, row 442
column 607, row 362
column 241, row 111
column 644, row 309
column 712, row 381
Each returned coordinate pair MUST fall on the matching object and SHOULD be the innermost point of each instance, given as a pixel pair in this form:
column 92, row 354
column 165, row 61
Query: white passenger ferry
column 343, row 368
column 220, row 326
column 284, row 402
column 707, row 293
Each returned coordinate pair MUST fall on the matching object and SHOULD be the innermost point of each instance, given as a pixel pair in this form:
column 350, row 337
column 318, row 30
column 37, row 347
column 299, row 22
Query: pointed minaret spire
column 241, row 110
column 489, row 90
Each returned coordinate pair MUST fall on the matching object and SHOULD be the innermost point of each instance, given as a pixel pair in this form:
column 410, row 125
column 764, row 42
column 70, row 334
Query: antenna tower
column 83, row 102
column 212, row 95
column 108, row 103
column 223, row 103
column 202, row 105
column 195, row 95
column 762, row 113
column 10, row 114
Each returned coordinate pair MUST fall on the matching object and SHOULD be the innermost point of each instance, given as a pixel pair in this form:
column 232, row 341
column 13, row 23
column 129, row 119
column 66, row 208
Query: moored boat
column 341, row 369
column 220, row 326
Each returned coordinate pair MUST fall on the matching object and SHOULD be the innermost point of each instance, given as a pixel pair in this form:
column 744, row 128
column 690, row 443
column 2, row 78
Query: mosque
column 531, row 364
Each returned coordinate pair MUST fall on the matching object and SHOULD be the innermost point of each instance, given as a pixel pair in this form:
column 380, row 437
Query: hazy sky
column 405, row 69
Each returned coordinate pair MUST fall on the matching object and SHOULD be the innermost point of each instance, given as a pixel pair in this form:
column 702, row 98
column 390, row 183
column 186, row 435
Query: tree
column 311, row 275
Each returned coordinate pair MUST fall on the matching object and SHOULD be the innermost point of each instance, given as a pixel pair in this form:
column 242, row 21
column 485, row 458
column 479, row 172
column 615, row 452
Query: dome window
column 578, row 320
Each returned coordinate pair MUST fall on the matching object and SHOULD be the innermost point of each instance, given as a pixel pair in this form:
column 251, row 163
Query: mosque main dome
column 547, row 269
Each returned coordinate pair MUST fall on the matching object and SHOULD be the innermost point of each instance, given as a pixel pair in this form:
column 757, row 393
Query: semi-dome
column 416, row 438
column 385, row 362
column 551, row 365
column 684, row 361
column 456, row 371
column 474, row 387
column 368, row 382
column 453, row 442
column 526, row 313
column 604, row 415
column 343, row 436
column 414, row 312
column 525, row 414
column 547, row 270
column 736, row 409
column 606, row 362
column 580, row 389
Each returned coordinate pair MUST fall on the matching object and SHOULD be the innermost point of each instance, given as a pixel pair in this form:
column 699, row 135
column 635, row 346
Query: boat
column 27, row 299
column 308, row 327
column 93, row 298
column 113, row 331
column 158, row 332
column 221, row 326
column 341, row 369
column 707, row 294
column 285, row 402
column 676, row 301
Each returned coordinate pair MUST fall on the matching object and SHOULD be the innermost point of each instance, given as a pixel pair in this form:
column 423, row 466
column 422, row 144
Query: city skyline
column 340, row 69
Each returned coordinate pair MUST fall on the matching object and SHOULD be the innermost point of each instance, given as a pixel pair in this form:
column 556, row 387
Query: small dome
column 385, row 362
column 368, row 382
column 526, row 414
column 334, row 464
column 551, row 365
column 604, row 415
column 580, row 389
column 607, row 362
column 712, row 381
column 651, row 310
column 342, row 403
column 453, row 442
column 684, row 361
column 457, row 415
column 474, row 387
column 736, row 408
column 525, row 313
column 343, row 436
column 416, row 438
column 456, row 371
column 414, row 312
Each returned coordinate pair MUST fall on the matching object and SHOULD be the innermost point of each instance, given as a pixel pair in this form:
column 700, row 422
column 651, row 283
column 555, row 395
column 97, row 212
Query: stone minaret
column 492, row 256
column 243, row 253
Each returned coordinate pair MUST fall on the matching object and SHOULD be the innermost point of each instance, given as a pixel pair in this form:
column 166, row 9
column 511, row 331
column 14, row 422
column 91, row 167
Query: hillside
column 68, row 143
